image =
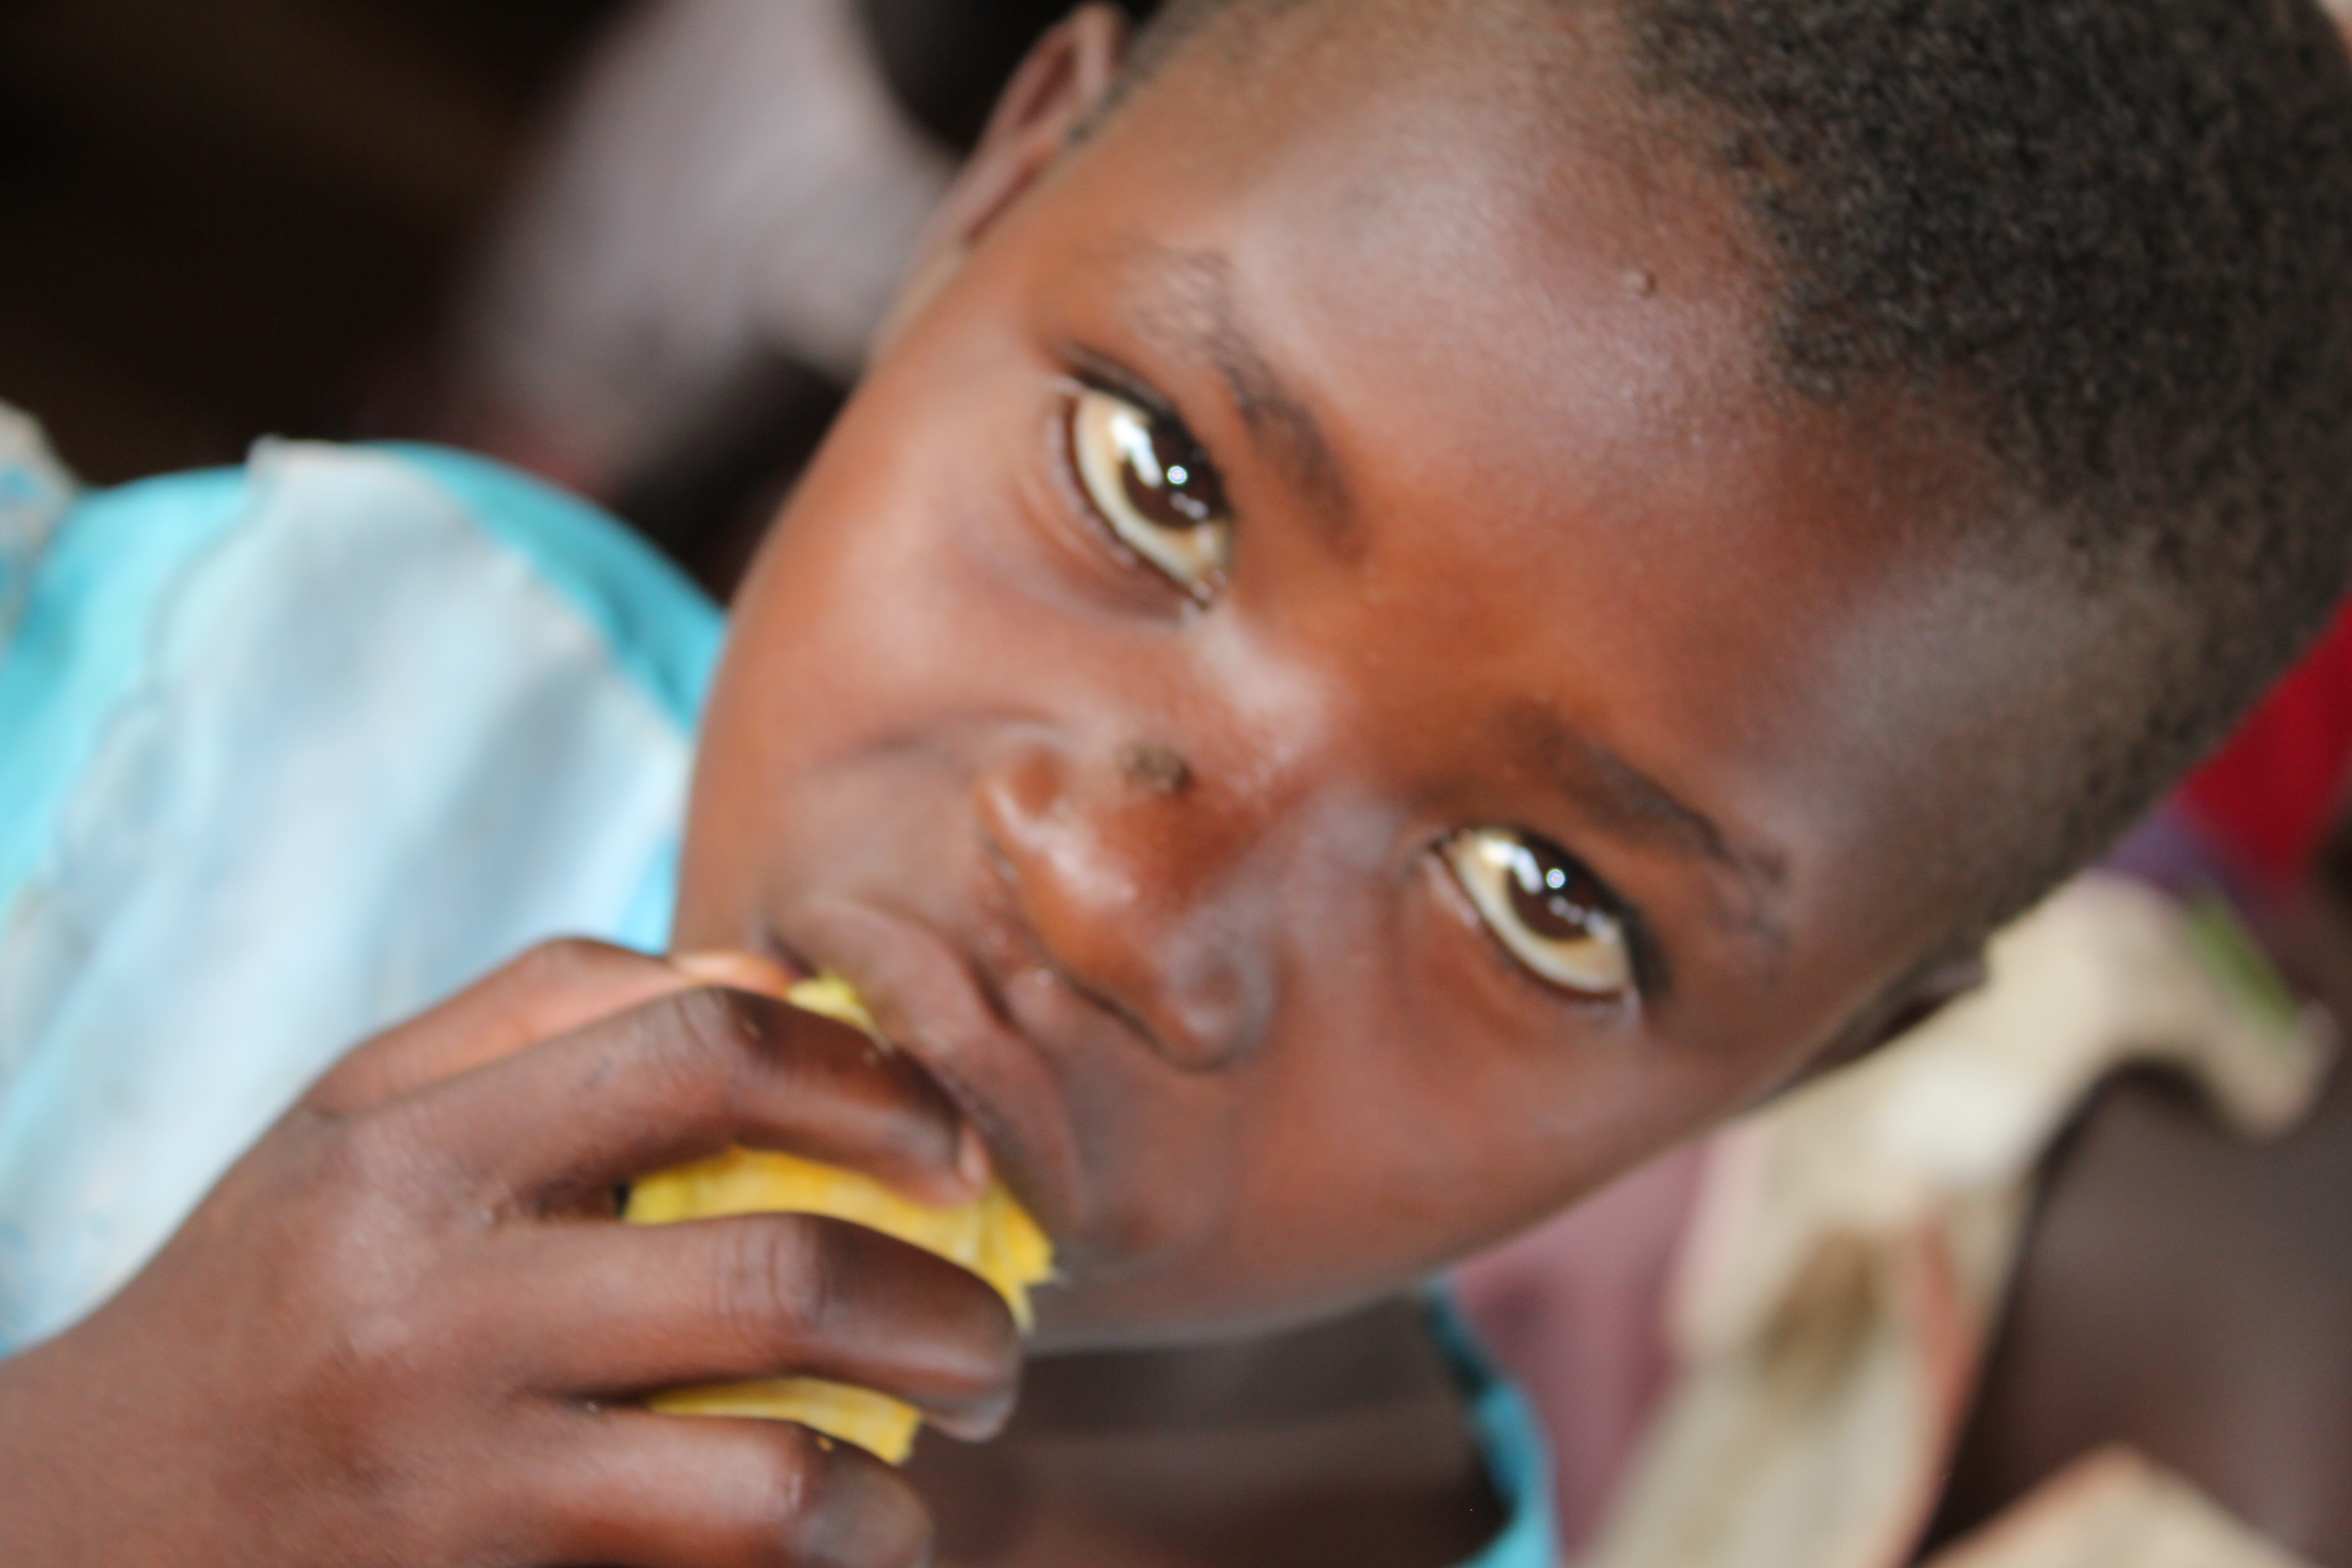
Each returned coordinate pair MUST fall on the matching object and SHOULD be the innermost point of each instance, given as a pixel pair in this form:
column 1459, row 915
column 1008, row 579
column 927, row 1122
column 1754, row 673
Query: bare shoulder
column 2190, row 1295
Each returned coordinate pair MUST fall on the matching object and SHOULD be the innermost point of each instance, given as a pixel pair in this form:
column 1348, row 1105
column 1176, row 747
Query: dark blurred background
column 242, row 217
column 217, row 215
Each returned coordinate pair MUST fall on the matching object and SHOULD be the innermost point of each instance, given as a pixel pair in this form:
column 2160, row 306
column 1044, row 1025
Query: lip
column 929, row 1001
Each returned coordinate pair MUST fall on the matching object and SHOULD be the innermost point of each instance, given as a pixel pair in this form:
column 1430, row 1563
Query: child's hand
column 404, row 1329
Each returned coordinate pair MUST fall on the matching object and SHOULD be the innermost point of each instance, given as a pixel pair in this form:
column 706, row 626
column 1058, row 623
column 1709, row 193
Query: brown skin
column 2189, row 1295
column 1149, row 888
column 403, row 1328
column 1208, row 1030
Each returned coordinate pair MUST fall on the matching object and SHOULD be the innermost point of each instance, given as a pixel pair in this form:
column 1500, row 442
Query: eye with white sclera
column 1153, row 488
column 1545, row 909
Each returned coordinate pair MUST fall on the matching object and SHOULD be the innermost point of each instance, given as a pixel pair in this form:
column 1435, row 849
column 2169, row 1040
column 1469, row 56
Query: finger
column 667, row 1491
column 735, row 971
column 555, row 987
column 687, row 1075
column 626, row 1311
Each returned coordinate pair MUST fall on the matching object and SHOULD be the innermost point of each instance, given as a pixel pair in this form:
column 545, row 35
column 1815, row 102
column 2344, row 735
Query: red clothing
column 2268, row 797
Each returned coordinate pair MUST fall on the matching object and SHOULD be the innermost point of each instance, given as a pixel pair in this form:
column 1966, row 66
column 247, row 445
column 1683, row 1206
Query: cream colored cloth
column 1853, row 1242
column 2114, row 1510
column 34, row 491
column 730, row 176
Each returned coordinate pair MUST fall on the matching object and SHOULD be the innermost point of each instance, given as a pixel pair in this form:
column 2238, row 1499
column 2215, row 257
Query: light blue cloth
column 1518, row 1462
column 289, row 752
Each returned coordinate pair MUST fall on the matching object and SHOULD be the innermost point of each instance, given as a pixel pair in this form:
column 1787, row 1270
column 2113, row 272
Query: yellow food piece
column 995, row 1238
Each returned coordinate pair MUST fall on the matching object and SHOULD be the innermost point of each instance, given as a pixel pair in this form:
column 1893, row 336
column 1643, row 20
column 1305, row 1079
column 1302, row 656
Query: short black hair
column 2113, row 240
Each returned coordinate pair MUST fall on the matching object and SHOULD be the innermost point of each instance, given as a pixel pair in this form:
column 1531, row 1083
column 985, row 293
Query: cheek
column 875, row 587
column 843, row 634
column 1353, row 1176
column 1384, row 1136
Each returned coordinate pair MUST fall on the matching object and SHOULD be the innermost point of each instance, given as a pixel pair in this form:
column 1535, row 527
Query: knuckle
column 924, row 1137
column 661, row 1061
column 562, row 961
column 833, row 1506
column 697, row 1039
column 369, row 1198
column 778, row 1281
column 786, row 1480
column 869, row 1516
column 362, row 1158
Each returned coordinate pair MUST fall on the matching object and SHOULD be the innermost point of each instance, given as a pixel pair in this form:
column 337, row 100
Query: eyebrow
column 1628, row 803
column 1189, row 310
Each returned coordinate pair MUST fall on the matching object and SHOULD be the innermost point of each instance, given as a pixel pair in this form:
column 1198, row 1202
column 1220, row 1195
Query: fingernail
column 971, row 1157
column 735, row 971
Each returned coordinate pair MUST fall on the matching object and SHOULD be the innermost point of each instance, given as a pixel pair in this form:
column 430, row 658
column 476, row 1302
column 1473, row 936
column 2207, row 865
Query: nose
column 1130, row 868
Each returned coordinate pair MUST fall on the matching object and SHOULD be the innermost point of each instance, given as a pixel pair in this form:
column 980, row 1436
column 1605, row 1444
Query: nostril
column 1156, row 768
column 1026, row 793
column 1123, row 895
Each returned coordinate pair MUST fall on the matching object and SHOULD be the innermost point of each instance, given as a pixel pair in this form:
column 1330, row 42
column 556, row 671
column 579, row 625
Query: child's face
column 1181, row 826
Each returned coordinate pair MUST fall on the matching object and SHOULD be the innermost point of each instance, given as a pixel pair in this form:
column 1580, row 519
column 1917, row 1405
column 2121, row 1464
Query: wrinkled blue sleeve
column 287, row 753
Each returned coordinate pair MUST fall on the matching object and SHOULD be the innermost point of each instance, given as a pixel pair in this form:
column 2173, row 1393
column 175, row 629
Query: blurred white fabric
column 291, row 754
column 730, row 176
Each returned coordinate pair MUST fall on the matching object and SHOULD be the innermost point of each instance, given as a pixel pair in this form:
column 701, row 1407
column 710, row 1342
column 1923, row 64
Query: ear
column 1901, row 1010
column 1067, row 76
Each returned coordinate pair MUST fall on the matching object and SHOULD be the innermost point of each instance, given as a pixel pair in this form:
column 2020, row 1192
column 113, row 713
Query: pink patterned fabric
column 1574, row 1312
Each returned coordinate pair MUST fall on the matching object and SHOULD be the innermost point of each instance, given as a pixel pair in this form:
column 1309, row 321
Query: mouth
column 931, row 1002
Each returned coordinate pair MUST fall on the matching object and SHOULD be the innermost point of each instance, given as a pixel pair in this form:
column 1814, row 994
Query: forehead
column 1500, row 296
column 1529, row 330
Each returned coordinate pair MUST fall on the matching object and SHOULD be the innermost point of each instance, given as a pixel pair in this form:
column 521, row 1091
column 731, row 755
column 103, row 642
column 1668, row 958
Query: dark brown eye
column 1545, row 908
column 1155, row 488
